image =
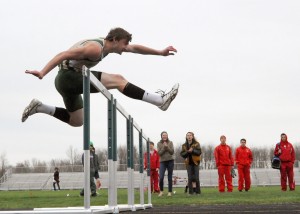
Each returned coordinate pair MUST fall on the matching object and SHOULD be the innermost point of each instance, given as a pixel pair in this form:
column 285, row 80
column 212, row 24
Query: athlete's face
column 243, row 143
column 223, row 140
column 283, row 137
column 120, row 46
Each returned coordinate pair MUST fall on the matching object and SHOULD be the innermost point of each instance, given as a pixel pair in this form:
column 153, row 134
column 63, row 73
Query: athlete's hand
column 168, row 51
column 35, row 73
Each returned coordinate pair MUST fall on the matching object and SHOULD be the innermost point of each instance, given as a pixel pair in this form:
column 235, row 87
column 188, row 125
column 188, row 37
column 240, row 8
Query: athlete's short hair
column 243, row 139
column 118, row 34
column 222, row 136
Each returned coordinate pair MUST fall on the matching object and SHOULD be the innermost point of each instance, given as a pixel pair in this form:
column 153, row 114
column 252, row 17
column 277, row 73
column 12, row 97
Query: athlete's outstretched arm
column 140, row 49
column 89, row 51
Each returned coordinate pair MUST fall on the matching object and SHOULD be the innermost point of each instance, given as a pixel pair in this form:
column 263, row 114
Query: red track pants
column 244, row 177
column 225, row 175
column 287, row 172
column 154, row 180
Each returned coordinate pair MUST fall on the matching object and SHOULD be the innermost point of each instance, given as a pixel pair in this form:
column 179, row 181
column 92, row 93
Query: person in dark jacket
column 93, row 168
column 191, row 152
column 56, row 179
column 97, row 169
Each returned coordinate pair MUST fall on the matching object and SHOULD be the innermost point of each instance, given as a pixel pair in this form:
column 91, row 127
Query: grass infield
column 10, row 200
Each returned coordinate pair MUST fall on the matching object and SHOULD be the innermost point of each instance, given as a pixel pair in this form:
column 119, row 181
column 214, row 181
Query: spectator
column 243, row 160
column 56, row 179
column 93, row 168
column 154, row 167
column 224, row 163
column 191, row 152
column 97, row 168
column 285, row 151
column 165, row 150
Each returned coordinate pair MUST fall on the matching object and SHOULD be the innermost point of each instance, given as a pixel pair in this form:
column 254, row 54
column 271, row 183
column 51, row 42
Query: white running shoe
column 31, row 109
column 168, row 97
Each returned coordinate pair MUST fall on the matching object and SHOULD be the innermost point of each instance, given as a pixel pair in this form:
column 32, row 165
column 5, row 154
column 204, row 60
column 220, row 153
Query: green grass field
column 209, row 196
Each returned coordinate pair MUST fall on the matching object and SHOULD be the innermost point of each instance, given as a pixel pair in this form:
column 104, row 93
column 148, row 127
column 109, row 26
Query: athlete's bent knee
column 76, row 118
column 119, row 77
column 76, row 124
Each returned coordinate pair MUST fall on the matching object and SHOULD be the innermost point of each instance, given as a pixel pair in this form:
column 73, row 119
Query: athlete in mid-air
column 90, row 52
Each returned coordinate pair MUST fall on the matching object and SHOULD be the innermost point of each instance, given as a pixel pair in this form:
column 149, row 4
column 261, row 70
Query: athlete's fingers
column 35, row 73
column 171, row 48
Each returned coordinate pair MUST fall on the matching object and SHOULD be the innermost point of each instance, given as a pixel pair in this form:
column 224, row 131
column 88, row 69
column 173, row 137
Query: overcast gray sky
column 237, row 64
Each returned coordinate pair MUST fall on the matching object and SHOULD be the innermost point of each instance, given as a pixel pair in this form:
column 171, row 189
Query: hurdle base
column 81, row 210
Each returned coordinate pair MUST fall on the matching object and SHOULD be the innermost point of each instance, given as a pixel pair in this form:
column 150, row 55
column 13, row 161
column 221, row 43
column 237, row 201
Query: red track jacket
column 243, row 156
column 287, row 151
column 154, row 160
column 223, row 155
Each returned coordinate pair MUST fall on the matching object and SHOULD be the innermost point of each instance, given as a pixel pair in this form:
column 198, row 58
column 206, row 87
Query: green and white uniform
column 68, row 81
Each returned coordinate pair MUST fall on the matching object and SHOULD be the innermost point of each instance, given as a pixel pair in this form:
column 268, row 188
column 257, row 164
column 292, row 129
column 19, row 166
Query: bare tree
column 122, row 157
column 261, row 157
column 103, row 159
column 3, row 163
column 207, row 156
column 74, row 156
column 22, row 167
column 135, row 157
column 38, row 165
column 297, row 153
column 178, row 159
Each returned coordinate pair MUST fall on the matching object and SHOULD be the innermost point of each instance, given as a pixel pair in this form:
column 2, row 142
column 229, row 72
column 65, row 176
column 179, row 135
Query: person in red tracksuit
column 154, row 167
column 243, row 160
column 285, row 151
column 224, row 163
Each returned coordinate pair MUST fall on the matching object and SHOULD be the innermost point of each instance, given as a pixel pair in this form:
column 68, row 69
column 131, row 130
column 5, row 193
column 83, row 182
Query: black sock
column 62, row 114
column 133, row 91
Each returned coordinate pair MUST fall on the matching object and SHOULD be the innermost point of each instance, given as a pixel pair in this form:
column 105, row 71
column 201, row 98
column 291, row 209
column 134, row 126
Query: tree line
column 72, row 162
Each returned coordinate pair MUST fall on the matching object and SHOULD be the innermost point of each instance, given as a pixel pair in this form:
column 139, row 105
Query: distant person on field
column 97, row 169
column 285, row 151
column 191, row 152
column 165, row 150
column 93, row 168
column 154, row 167
column 56, row 179
column 243, row 160
column 224, row 163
